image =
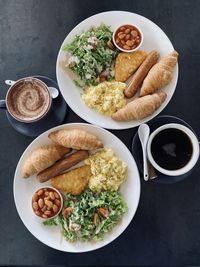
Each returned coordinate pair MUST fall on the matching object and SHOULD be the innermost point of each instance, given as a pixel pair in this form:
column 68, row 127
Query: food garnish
column 91, row 215
column 90, row 55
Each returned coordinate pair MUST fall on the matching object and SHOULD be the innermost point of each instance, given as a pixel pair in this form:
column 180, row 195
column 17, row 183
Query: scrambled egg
column 106, row 97
column 108, row 172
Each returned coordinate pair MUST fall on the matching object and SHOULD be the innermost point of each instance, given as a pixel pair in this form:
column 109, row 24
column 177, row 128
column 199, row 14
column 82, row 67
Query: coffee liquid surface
column 171, row 149
column 28, row 100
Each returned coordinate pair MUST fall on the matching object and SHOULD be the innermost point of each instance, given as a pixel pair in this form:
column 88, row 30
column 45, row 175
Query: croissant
column 76, row 139
column 42, row 158
column 160, row 74
column 140, row 107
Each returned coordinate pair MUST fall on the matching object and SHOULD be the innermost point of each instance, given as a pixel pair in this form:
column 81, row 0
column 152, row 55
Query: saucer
column 137, row 149
column 55, row 116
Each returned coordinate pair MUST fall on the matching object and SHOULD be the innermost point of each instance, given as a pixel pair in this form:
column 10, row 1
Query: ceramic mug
column 28, row 99
column 177, row 149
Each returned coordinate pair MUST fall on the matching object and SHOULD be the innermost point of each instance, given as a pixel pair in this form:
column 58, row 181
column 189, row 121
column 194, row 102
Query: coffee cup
column 173, row 149
column 28, row 99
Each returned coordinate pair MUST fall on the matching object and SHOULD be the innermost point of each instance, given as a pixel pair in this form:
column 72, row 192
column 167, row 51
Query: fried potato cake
column 127, row 63
column 74, row 181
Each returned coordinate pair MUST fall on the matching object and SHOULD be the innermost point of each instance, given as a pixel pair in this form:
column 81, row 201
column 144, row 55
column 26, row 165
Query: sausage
column 140, row 74
column 62, row 165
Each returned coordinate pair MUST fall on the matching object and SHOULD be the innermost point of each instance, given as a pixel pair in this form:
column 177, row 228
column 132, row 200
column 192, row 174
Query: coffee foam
column 28, row 100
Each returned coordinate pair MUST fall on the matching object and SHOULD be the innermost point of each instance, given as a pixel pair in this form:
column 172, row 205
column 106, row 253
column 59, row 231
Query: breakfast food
column 140, row 107
column 90, row 55
column 140, row 74
column 62, row 165
column 42, row 158
column 29, row 99
column 89, row 216
column 127, row 63
column 74, row 181
column 160, row 74
column 90, row 204
column 76, row 139
column 108, row 172
column 127, row 37
column 106, row 97
column 46, row 202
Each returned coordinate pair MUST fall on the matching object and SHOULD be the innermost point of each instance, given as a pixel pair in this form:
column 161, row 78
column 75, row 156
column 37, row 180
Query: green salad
column 90, row 55
column 90, row 215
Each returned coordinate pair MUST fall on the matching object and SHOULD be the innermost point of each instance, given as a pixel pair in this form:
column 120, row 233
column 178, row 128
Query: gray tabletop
column 166, row 228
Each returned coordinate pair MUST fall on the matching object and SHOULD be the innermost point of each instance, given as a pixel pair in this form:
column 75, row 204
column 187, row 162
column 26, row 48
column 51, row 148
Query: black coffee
column 171, row 149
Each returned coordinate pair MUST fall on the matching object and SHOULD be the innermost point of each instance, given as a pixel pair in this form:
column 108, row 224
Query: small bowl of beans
column 46, row 202
column 128, row 38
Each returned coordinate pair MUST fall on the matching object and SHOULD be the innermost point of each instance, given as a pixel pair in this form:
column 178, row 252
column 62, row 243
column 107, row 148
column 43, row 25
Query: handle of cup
column 9, row 82
column 2, row 104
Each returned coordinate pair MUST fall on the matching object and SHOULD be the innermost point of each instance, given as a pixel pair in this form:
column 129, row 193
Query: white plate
column 24, row 188
column 154, row 39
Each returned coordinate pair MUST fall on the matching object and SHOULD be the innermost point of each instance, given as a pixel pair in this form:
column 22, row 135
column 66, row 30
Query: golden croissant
column 140, row 107
column 42, row 158
column 76, row 139
column 160, row 74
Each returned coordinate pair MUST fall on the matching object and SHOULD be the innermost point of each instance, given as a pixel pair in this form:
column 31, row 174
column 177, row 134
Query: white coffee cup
column 195, row 150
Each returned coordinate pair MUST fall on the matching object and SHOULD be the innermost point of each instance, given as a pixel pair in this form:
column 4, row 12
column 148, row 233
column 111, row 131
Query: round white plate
column 24, row 188
column 154, row 39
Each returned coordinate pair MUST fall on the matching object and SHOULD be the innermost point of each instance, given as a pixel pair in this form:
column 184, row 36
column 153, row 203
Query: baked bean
column 35, row 197
column 130, row 43
column 55, row 208
column 122, row 36
column 56, row 195
column 126, row 36
column 41, row 203
column 52, row 196
column 126, row 47
column 47, row 212
column 46, row 203
column 44, row 208
column 127, row 30
column 57, row 202
column 49, row 203
column 35, row 206
column 134, row 33
column 40, row 192
column 119, row 33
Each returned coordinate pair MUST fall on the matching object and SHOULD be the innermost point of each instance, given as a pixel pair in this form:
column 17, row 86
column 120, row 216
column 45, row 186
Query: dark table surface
column 166, row 227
